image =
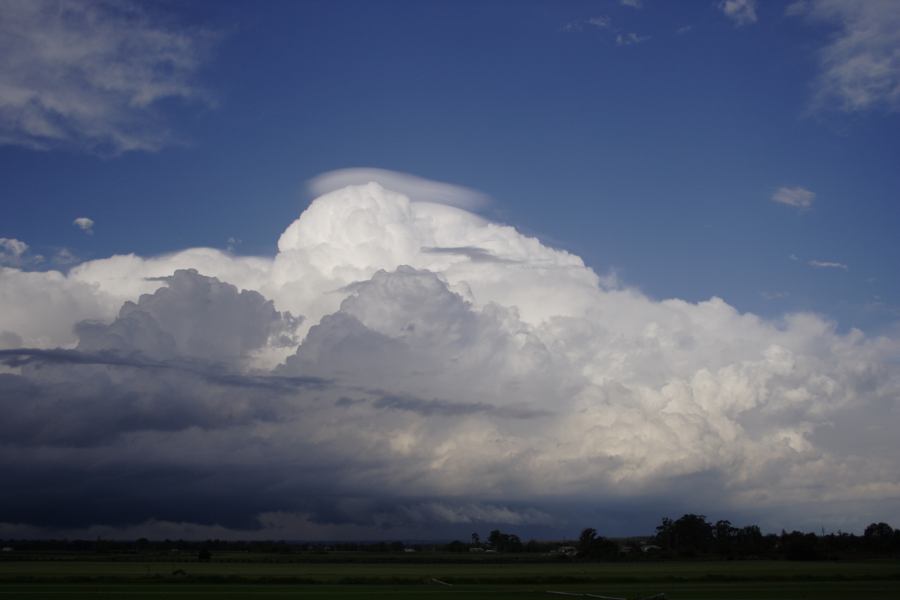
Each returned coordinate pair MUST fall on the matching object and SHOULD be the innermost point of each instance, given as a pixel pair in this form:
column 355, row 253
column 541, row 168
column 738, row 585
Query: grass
column 225, row 578
column 673, row 591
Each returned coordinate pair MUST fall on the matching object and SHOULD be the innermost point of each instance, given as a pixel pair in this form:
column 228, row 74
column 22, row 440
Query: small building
column 566, row 551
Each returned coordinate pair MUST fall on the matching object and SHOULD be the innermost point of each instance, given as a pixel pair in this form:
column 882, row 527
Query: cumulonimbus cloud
column 452, row 372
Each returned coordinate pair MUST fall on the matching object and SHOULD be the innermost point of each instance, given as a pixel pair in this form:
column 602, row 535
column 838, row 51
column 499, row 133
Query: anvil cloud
column 406, row 367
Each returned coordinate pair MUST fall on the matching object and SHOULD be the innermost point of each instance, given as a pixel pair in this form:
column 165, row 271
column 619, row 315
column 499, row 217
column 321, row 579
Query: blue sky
column 656, row 160
column 191, row 245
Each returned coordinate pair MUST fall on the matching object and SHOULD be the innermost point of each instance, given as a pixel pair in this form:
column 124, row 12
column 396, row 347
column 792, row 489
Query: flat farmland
column 227, row 577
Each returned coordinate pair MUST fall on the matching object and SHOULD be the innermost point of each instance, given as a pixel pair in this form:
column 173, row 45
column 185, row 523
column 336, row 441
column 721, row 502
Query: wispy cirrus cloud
column 860, row 65
column 798, row 197
column 827, row 264
column 598, row 22
column 604, row 23
column 90, row 74
column 630, row 39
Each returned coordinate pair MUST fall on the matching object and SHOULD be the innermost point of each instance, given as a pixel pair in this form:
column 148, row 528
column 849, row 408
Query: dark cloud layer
column 153, row 418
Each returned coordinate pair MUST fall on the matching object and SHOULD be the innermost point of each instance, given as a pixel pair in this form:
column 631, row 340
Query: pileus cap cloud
column 416, row 188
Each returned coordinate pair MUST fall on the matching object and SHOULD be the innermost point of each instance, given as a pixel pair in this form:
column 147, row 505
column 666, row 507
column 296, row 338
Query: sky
column 378, row 270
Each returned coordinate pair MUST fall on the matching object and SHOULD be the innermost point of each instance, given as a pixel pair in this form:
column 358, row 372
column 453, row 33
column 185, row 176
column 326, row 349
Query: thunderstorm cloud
column 405, row 367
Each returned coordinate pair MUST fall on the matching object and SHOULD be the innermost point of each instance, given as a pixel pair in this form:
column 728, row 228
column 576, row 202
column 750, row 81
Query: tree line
column 693, row 536
column 688, row 537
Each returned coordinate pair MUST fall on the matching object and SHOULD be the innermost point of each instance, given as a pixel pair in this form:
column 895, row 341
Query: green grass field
column 226, row 578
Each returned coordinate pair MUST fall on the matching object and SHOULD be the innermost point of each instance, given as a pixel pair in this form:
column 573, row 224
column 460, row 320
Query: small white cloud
column 684, row 29
column 599, row 22
column 798, row 197
column 632, row 3
column 629, row 39
column 826, row 264
column 13, row 246
column 860, row 66
column 85, row 224
column 741, row 12
column 18, row 254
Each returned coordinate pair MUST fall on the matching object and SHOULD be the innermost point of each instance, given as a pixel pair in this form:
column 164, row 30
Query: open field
column 673, row 591
column 361, row 572
column 223, row 579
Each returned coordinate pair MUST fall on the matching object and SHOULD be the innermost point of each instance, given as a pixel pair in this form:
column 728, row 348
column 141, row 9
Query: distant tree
column 204, row 555
column 513, row 543
column 726, row 538
column 505, row 542
column 665, row 533
column 723, row 530
column 586, row 540
column 879, row 536
column 591, row 545
column 800, row 546
column 536, row 546
column 494, row 538
column 749, row 541
column 879, row 531
column 689, row 535
column 476, row 539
